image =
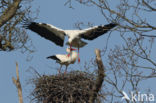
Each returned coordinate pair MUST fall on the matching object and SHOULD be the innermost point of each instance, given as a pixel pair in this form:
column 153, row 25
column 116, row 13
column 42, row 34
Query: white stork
column 64, row 59
column 57, row 35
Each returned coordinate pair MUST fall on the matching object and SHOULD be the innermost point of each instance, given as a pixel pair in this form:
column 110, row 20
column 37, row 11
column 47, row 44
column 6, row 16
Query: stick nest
column 73, row 87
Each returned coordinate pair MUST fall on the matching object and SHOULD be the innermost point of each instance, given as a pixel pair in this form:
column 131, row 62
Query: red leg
column 78, row 56
column 68, row 55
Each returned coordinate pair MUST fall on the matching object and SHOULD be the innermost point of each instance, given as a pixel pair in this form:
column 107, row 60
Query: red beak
column 73, row 49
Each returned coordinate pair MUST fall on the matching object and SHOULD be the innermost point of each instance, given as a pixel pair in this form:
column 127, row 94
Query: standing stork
column 57, row 35
column 65, row 59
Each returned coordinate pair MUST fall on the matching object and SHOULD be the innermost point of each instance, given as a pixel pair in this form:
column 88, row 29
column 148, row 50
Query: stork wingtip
column 49, row 57
column 113, row 24
column 26, row 24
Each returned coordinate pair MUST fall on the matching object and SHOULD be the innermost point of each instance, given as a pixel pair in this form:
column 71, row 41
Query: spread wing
column 47, row 31
column 96, row 31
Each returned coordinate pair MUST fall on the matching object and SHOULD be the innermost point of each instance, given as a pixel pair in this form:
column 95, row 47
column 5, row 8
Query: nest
column 73, row 87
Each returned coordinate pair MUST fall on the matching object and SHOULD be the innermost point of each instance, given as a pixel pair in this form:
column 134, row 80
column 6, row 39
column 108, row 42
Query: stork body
column 75, row 37
column 57, row 35
column 64, row 59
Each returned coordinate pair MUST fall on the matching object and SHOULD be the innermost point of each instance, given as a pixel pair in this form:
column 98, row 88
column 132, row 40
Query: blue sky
column 52, row 12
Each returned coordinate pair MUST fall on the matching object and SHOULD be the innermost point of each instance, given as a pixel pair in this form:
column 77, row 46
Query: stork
column 64, row 59
column 57, row 35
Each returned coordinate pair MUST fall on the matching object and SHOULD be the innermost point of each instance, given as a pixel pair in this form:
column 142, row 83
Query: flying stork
column 57, row 35
column 64, row 59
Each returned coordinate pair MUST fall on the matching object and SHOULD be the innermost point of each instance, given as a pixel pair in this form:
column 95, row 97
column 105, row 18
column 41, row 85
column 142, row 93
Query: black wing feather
column 54, row 58
column 98, row 31
column 45, row 31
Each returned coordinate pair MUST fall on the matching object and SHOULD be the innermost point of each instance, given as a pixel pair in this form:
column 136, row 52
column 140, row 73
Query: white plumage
column 57, row 35
column 64, row 59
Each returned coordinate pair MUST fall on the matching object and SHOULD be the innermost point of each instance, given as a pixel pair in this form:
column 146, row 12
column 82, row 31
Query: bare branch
column 149, row 6
column 18, row 85
column 100, row 77
column 9, row 12
column 12, row 14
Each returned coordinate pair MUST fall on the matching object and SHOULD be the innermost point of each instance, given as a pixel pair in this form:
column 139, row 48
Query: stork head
column 70, row 50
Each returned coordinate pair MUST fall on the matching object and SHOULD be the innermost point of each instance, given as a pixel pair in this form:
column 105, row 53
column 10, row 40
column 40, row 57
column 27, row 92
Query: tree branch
column 100, row 78
column 18, row 85
column 149, row 6
column 9, row 12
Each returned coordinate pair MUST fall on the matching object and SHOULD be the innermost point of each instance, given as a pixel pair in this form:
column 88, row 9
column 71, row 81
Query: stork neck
column 74, row 55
